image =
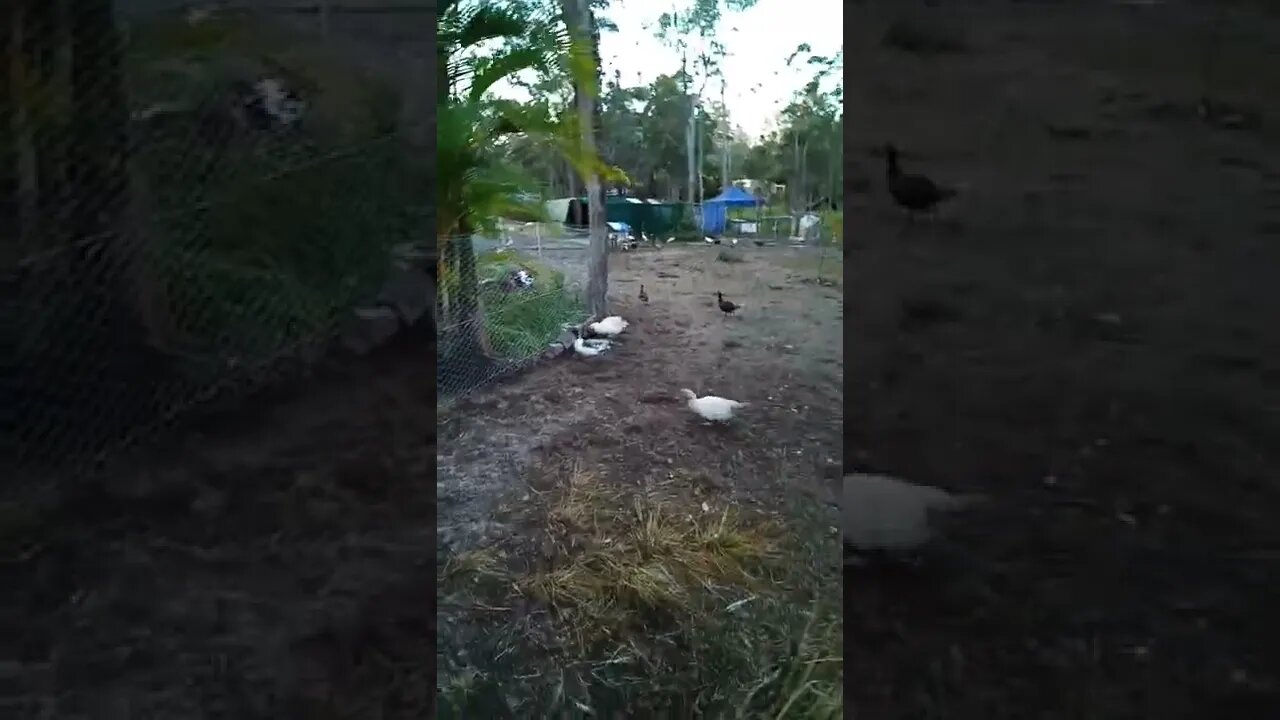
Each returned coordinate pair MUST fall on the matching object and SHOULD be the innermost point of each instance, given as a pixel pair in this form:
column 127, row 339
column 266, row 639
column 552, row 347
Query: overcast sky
column 759, row 83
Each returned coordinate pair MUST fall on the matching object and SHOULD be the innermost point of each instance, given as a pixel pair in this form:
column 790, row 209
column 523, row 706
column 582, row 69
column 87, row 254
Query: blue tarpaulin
column 715, row 211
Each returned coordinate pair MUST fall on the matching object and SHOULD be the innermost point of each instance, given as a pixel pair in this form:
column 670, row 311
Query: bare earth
column 273, row 562
column 1088, row 338
column 277, row 561
column 623, row 410
column 621, row 417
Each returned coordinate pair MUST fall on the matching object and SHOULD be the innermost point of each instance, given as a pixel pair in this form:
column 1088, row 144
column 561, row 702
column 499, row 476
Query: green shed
column 652, row 217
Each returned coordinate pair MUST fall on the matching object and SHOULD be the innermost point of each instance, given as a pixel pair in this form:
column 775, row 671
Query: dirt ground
column 780, row 353
column 1088, row 339
column 274, row 561
column 622, row 417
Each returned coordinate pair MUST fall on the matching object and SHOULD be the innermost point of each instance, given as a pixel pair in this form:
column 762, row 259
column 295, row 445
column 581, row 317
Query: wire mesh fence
column 652, row 222
column 506, row 299
column 503, row 303
column 202, row 202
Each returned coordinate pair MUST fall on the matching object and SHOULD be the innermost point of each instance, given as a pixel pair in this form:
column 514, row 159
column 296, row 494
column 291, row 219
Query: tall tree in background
column 814, row 121
column 701, row 19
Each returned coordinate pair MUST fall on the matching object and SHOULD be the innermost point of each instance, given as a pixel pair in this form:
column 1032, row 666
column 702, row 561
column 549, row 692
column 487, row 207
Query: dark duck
column 726, row 307
column 916, row 193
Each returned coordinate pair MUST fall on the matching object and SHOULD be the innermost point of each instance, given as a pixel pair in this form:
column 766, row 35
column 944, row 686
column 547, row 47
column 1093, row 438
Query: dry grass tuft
column 473, row 564
column 656, row 600
column 622, row 556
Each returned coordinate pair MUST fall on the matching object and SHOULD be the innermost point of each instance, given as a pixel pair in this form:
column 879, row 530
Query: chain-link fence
column 505, row 302
column 203, row 199
column 817, row 235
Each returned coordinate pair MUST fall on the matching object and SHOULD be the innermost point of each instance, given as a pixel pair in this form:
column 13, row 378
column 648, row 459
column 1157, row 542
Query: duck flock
column 883, row 517
column 596, row 338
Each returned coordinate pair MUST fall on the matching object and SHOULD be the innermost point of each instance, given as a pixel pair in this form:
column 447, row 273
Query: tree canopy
column 672, row 138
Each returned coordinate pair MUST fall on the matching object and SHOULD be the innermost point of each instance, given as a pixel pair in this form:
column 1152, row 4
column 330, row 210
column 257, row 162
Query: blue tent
column 715, row 211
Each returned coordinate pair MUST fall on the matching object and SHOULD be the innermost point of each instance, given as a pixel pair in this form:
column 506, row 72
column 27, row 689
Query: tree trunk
column 21, row 79
column 727, row 139
column 804, row 175
column 467, row 307
column 9, row 232
column 597, row 119
column 795, row 173
column 831, row 175
column 417, row 128
column 96, row 373
column 100, row 177
column 456, row 280
column 702, row 164
column 689, row 135
column 577, row 14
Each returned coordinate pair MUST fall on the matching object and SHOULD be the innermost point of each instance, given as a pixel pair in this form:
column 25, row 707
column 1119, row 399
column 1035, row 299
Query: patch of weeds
column 660, row 602
column 925, row 37
column 521, row 321
column 521, row 324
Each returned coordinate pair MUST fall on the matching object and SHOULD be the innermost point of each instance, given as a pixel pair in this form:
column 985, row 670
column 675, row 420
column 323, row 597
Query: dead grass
column 656, row 598
column 621, row 557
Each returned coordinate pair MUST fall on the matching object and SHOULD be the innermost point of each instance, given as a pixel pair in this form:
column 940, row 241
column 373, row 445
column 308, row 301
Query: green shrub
column 521, row 322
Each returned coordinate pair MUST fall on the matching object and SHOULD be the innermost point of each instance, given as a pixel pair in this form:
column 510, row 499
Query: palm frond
column 464, row 26
column 500, row 67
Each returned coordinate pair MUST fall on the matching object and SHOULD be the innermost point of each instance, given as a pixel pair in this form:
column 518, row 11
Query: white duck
column 888, row 514
column 590, row 348
column 611, row 326
column 710, row 407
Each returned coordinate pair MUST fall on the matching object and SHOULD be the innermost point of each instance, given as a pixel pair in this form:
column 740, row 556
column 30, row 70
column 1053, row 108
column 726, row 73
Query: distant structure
column 762, row 189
